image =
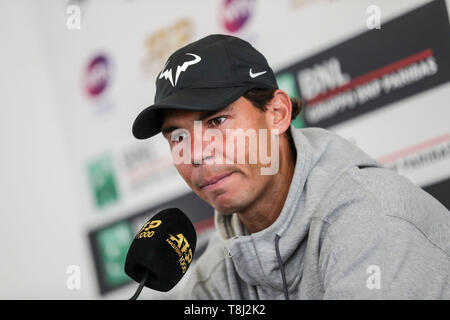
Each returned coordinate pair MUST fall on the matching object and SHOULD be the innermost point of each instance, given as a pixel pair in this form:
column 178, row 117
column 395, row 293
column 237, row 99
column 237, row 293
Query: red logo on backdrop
column 339, row 85
column 97, row 75
column 235, row 13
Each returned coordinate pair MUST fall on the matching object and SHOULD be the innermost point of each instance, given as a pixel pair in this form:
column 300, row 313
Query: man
column 320, row 220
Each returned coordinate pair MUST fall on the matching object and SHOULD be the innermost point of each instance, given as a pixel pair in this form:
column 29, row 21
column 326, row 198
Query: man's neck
column 267, row 209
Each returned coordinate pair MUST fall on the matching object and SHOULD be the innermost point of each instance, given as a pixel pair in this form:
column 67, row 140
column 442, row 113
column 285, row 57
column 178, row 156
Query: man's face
column 232, row 185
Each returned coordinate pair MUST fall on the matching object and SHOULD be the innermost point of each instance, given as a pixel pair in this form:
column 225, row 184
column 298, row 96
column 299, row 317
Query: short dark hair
column 260, row 97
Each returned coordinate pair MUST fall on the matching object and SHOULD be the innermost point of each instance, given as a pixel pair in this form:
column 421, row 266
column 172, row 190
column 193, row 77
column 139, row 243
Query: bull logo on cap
column 167, row 73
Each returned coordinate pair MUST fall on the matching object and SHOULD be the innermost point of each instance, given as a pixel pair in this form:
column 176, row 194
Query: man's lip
column 212, row 180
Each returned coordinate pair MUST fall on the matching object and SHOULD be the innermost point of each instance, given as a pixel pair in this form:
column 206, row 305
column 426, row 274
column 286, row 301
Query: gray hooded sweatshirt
column 349, row 229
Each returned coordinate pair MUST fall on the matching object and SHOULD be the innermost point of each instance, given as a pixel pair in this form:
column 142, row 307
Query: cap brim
column 148, row 122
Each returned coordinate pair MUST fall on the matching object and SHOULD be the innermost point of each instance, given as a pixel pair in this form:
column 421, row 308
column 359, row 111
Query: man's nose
column 197, row 148
column 200, row 153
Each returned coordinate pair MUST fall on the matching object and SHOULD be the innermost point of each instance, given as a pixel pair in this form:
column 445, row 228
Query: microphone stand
column 141, row 285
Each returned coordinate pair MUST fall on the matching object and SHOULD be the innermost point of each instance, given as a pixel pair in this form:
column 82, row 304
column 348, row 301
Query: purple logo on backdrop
column 235, row 13
column 97, row 74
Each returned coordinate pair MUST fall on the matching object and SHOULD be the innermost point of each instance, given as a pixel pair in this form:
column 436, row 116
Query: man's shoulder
column 375, row 201
column 377, row 192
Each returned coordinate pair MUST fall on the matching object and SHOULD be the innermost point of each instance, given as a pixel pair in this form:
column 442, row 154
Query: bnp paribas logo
column 286, row 82
column 102, row 180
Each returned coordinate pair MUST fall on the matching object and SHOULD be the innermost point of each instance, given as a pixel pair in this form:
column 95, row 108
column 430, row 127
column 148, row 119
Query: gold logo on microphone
column 145, row 231
column 181, row 246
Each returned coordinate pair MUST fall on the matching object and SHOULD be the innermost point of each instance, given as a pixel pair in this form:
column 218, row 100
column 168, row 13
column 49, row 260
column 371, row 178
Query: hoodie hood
column 260, row 259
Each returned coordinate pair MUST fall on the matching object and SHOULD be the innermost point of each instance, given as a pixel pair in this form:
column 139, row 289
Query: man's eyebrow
column 213, row 112
column 168, row 130
column 208, row 114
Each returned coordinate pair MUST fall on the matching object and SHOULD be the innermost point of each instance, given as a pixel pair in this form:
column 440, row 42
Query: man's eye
column 217, row 121
column 179, row 135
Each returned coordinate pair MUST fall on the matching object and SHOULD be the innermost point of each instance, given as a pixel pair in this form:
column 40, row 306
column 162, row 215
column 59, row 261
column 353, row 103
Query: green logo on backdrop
column 103, row 181
column 286, row 82
column 113, row 243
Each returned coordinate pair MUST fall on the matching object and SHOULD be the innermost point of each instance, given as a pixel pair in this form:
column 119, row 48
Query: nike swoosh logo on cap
column 254, row 75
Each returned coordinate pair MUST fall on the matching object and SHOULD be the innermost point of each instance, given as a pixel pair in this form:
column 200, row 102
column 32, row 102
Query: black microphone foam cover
column 165, row 247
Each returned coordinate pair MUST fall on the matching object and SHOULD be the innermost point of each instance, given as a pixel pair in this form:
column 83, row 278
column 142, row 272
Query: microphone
column 161, row 251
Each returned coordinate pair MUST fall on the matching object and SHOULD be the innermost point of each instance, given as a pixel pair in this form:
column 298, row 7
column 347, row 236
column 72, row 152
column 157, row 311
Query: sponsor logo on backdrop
column 287, row 82
column 424, row 155
column 110, row 243
column 329, row 92
column 97, row 75
column 102, row 181
column 145, row 165
column 236, row 13
column 375, row 69
column 419, row 155
column 160, row 44
column 97, row 79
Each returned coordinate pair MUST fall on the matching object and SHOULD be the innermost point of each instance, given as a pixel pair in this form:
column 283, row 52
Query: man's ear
column 278, row 113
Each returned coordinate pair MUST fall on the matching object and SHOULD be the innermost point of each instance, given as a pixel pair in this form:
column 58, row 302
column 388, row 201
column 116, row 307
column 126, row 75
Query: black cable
column 283, row 276
column 141, row 285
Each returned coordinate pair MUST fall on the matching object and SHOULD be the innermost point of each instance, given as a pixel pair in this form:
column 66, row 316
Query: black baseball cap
column 205, row 75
